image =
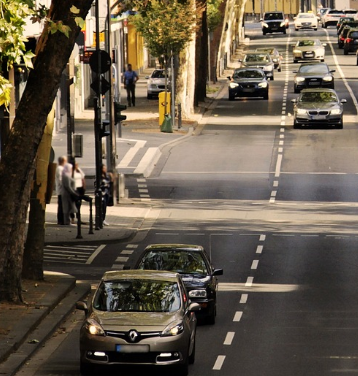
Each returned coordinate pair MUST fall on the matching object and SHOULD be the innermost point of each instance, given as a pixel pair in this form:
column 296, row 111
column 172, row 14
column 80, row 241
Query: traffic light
column 105, row 131
column 118, row 117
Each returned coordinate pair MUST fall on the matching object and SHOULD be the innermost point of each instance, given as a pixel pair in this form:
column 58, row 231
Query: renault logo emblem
column 133, row 335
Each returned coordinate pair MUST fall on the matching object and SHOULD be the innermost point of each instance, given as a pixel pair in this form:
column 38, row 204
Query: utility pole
column 97, row 127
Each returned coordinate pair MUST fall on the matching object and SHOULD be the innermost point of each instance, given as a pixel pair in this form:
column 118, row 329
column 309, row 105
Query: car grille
column 274, row 25
column 313, row 81
column 125, row 335
column 248, row 86
column 309, row 54
column 161, row 87
column 316, row 112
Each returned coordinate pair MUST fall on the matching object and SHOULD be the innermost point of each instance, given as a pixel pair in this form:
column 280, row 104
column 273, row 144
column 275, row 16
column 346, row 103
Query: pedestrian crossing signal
column 118, row 117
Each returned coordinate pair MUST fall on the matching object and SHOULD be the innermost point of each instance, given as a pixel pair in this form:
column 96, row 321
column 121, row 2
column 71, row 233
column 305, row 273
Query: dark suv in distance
column 273, row 22
column 351, row 42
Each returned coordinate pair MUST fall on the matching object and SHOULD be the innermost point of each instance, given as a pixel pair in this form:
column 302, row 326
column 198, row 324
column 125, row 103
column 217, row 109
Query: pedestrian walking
column 68, row 193
column 106, row 187
column 130, row 78
column 80, row 185
column 58, row 183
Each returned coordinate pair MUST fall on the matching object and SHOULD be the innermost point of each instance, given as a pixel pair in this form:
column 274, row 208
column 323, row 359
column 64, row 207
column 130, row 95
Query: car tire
column 296, row 29
column 192, row 355
column 296, row 90
column 266, row 96
column 284, row 32
column 357, row 60
column 272, row 78
column 340, row 46
column 183, row 369
column 264, row 33
column 279, row 69
column 295, row 61
column 322, row 60
column 86, row 369
column 149, row 96
column 295, row 125
column 340, row 126
column 345, row 51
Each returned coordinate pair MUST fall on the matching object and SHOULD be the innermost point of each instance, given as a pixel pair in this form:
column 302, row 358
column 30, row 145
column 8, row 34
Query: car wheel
column 296, row 90
column 296, row 29
column 231, row 97
column 345, row 51
column 264, row 33
column 295, row 61
column 315, row 29
column 357, row 60
column 183, row 369
column 340, row 126
column 192, row 355
column 210, row 320
column 284, row 31
column 279, row 69
column 322, row 60
column 295, row 125
column 86, row 369
column 340, row 46
column 149, row 96
column 266, row 96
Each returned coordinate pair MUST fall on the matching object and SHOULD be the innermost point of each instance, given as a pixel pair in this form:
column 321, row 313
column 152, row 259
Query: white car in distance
column 305, row 21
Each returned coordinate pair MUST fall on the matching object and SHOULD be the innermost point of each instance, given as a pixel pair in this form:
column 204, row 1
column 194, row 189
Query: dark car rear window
column 354, row 35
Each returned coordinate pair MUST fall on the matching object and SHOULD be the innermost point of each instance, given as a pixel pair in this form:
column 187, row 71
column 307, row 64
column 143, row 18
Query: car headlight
column 299, row 79
column 282, row 23
column 295, row 51
column 262, row 84
column 197, row 294
column 173, row 329
column 233, row 85
column 153, row 86
column 336, row 111
column 269, row 67
column 301, row 111
column 92, row 327
column 327, row 78
column 264, row 24
column 275, row 60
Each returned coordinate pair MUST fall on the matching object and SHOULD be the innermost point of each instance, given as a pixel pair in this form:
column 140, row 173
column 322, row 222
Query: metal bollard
column 78, row 206
column 121, row 185
column 179, row 115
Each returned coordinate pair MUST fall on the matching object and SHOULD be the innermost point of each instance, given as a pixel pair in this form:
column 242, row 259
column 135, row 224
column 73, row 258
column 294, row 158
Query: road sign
column 105, row 61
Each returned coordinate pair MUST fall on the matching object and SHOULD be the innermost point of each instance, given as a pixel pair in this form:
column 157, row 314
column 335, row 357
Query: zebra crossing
column 74, row 254
column 124, row 256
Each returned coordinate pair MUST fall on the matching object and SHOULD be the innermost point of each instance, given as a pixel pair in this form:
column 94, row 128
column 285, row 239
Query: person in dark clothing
column 106, row 187
column 130, row 78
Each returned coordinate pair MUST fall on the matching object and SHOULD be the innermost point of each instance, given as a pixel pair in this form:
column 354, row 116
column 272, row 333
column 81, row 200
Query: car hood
column 255, row 64
column 312, row 75
column 131, row 320
column 317, row 106
column 308, row 48
column 158, row 81
column 248, row 80
column 192, row 281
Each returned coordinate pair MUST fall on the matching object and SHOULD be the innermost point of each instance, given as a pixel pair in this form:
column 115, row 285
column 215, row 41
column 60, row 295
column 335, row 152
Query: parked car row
column 148, row 315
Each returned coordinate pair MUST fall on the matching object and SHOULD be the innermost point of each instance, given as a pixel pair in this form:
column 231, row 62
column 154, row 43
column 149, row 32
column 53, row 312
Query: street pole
column 97, row 127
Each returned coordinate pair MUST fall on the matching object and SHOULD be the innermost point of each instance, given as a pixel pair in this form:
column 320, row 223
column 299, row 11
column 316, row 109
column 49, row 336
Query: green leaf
column 74, row 10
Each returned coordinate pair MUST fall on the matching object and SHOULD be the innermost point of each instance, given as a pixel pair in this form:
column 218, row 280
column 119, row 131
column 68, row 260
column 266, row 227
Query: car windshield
column 256, row 58
column 273, row 16
column 303, row 43
column 321, row 96
column 248, row 74
column 184, row 262
column 137, row 295
column 313, row 68
column 266, row 50
column 158, row 74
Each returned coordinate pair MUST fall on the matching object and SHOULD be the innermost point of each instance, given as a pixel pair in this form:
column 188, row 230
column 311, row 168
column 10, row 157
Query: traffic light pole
column 97, row 128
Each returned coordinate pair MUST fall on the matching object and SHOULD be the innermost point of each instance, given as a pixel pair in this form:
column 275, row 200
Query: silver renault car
column 138, row 317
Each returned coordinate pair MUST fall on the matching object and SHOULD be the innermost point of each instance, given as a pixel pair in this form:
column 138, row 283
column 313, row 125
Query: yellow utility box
column 164, row 108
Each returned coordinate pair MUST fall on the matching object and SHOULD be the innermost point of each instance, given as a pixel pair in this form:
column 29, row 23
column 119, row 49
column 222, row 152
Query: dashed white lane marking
column 278, row 166
column 219, row 362
column 255, row 264
column 259, row 248
column 243, row 299
column 262, row 238
column 249, row 281
column 237, row 316
column 229, row 338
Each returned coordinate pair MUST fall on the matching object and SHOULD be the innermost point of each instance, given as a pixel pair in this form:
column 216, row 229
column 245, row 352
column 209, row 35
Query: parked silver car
column 138, row 317
column 156, row 83
column 318, row 107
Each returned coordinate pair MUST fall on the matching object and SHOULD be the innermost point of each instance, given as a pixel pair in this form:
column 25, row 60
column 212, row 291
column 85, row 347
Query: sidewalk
column 24, row 329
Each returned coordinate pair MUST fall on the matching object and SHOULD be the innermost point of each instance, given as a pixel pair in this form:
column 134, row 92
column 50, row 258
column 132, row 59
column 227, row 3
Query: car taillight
column 348, row 40
column 341, row 38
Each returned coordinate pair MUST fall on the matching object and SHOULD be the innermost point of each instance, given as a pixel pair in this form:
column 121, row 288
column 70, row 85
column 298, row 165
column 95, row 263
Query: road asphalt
column 25, row 328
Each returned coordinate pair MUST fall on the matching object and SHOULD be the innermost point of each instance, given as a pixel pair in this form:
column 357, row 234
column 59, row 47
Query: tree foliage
column 166, row 26
column 213, row 14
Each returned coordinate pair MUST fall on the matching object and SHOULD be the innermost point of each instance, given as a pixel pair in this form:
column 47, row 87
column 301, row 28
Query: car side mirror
column 324, row 44
column 147, row 77
column 229, row 78
column 294, row 100
column 261, row 19
column 343, row 100
column 82, row 306
column 194, row 307
column 294, row 71
column 332, row 71
column 218, row 272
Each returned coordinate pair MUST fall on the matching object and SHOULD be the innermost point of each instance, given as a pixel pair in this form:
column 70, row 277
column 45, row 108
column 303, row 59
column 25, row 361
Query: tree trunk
column 33, row 252
column 17, row 159
column 201, row 56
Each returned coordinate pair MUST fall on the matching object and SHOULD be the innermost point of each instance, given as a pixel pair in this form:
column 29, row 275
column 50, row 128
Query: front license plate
column 132, row 348
column 248, row 90
column 318, row 117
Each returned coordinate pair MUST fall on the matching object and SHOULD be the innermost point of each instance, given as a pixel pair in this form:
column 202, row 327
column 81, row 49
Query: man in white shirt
column 58, row 183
